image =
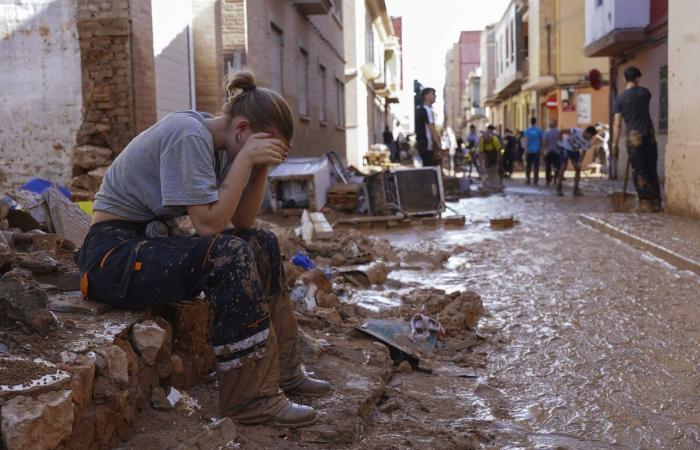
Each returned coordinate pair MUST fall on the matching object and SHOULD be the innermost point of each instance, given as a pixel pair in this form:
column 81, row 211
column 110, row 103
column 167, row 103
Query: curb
column 671, row 257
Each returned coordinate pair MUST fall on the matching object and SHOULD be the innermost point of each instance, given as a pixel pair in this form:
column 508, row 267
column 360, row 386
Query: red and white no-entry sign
column 552, row 102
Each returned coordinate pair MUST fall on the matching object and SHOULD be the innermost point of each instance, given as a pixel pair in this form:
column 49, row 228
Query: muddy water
column 591, row 344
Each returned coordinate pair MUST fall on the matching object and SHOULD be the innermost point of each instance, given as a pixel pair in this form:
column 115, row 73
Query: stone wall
column 132, row 365
column 40, row 99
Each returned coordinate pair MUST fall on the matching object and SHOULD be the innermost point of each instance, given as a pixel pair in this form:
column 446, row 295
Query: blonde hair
column 264, row 108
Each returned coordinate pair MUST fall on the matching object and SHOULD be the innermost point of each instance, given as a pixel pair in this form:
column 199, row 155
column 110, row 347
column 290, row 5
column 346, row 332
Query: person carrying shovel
column 632, row 106
column 214, row 169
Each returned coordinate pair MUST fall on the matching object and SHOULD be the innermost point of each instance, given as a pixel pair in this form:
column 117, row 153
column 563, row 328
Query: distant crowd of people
column 495, row 155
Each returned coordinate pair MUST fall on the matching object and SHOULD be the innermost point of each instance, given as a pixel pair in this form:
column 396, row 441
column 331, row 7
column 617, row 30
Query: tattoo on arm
column 224, row 186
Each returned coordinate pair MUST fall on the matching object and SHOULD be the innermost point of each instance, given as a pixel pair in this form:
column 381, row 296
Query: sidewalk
column 674, row 239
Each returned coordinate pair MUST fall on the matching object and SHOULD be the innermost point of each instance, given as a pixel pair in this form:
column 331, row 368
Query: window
column 507, row 45
column 276, row 58
column 512, row 41
column 303, row 83
column 663, row 99
column 322, row 107
column 339, row 103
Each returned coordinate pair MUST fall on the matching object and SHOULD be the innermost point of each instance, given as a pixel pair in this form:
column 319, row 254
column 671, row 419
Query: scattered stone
column 217, row 435
column 40, row 424
column 310, row 348
column 325, row 300
column 22, row 300
column 405, row 367
column 6, row 253
column 377, row 273
column 338, row 260
column 37, row 262
column 148, row 338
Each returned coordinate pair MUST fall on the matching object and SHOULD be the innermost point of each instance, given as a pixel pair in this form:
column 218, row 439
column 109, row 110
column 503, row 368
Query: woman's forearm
column 251, row 201
column 215, row 217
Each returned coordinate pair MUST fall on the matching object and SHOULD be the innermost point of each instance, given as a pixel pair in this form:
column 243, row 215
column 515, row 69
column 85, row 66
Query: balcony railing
column 314, row 7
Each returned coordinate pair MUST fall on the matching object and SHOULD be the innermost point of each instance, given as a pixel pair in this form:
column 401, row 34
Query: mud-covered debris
column 457, row 311
column 159, row 400
column 6, row 254
column 219, row 434
column 22, row 300
column 317, row 277
column 329, row 315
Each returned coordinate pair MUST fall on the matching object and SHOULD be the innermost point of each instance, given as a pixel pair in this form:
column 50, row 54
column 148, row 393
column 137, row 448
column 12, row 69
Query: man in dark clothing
column 552, row 152
column 632, row 106
column 427, row 138
column 388, row 138
column 511, row 152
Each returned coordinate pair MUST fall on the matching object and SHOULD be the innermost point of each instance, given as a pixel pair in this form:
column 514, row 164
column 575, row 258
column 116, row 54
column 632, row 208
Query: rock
column 317, row 277
column 159, row 400
column 76, row 304
column 164, row 367
column 190, row 322
column 405, row 367
column 85, row 182
column 217, row 435
column 89, row 157
column 37, row 262
column 292, row 272
column 37, row 424
column 330, row 315
column 148, row 338
column 106, row 392
column 113, row 364
column 82, row 370
column 21, row 299
column 132, row 361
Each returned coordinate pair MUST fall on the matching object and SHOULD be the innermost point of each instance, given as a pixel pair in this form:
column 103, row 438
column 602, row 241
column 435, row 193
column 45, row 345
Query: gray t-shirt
column 164, row 169
column 551, row 140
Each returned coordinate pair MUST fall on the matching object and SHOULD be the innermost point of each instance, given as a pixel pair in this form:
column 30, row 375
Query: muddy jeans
column 532, row 165
column 551, row 166
column 643, row 155
column 238, row 271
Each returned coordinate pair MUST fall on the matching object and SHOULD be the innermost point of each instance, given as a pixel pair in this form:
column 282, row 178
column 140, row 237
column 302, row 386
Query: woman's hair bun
column 239, row 81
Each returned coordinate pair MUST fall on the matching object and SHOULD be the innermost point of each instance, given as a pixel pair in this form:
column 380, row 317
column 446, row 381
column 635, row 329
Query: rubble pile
column 90, row 163
column 456, row 311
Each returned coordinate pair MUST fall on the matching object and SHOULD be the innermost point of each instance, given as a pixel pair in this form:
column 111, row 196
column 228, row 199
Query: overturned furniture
column 414, row 192
column 299, row 184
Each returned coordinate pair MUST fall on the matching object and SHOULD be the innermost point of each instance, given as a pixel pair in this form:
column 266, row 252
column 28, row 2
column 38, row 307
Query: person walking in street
column 632, row 106
column 490, row 147
column 575, row 142
column 213, row 169
column 472, row 150
column 510, row 153
column 552, row 152
column 427, row 138
column 533, row 145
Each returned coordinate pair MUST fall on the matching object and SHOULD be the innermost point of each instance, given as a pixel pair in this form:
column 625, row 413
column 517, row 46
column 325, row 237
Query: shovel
column 621, row 202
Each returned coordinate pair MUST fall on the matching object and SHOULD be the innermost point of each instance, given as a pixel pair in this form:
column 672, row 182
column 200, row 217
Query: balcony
column 313, row 7
column 613, row 26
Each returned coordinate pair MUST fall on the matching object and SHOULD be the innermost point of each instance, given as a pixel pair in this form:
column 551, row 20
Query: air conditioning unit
column 414, row 192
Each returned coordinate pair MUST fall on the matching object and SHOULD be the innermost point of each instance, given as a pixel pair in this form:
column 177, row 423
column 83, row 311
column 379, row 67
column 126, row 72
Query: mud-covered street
column 590, row 343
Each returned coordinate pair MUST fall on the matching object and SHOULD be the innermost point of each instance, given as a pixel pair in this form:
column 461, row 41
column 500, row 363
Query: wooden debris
column 344, row 197
column 503, row 223
column 454, row 221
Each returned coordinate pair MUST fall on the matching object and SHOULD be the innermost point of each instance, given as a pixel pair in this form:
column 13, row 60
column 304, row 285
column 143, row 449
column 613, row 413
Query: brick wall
column 104, row 33
column 208, row 55
column 142, row 64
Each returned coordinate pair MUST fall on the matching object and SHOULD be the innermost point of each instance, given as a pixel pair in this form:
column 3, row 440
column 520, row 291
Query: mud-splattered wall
column 683, row 149
column 40, row 98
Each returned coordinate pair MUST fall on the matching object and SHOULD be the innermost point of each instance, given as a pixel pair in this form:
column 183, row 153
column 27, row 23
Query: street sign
column 552, row 102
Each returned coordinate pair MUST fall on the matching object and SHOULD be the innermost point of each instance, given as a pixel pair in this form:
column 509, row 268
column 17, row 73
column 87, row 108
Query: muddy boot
column 577, row 192
column 560, row 192
column 250, row 393
column 293, row 377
